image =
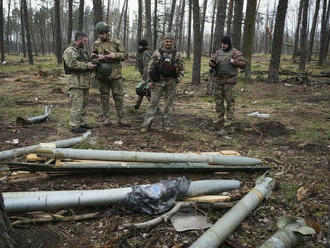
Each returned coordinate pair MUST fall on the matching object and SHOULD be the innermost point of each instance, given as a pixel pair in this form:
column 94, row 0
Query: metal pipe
column 290, row 234
column 147, row 156
column 46, row 200
column 135, row 167
column 7, row 154
column 22, row 121
column 227, row 223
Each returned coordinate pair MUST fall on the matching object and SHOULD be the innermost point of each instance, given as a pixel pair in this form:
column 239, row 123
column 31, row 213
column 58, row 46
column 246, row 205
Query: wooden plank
column 208, row 198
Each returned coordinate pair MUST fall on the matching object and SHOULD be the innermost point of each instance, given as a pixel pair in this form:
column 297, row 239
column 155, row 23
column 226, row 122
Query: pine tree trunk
column 203, row 21
column 22, row 30
column 220, row 23
column 81, row 16
column 237, row 25
column 296, row 36
column 7, row 233
column 249, row 26
column 303, row 39
column 212, row 27
column 8, row 27
column 189, row 30
column 125, row 40
column 274, row 65
column 230, row 16
column 2, row 52
column 312, row 33
column 170, row 18
column 140, row 14
column 197, row 44
column 148, row 22
column 181, row 24
column 27, row 31
column 58, row 36
column 69, row 37
column 155, row 24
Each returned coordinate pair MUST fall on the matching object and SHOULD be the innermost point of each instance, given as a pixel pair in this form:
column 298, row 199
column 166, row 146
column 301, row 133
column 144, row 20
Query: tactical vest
column 168, row 64
column 223, row 63
column 83, row 57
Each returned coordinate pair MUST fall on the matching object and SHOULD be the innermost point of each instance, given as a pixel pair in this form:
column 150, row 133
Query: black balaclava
column 226, row 40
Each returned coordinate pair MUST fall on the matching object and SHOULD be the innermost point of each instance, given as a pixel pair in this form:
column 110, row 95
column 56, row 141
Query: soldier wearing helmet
column 165, row 71
column 109, row 52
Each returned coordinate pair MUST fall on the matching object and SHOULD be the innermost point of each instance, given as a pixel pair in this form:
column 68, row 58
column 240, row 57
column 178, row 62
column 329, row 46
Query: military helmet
column 168, row 36
column 102, row 28
column 103, row 70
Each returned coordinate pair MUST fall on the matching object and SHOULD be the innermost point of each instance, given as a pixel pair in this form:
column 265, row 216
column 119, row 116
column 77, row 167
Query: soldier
column 165, row 71
column 225, row 62
column 143, row 57
column 109, row 52
column 78, row 68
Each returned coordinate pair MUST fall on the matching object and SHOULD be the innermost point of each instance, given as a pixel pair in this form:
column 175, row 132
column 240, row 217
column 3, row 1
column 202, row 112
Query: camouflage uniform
column 166, row 85
column 114, row 81
column 225, row 80
column 78, row 81
column 143, row 59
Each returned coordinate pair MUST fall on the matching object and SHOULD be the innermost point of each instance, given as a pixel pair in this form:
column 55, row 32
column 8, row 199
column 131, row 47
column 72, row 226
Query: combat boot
column 166, row 124
column 122, row 122
column 146, row 125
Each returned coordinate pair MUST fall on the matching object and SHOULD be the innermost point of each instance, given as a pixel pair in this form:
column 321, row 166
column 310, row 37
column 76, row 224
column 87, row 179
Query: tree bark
column 58, row 36
column 249, row 26
column 203, row 21
column 22, row 31
column 296, row 36
column 148, row 21
column 189, row 30
column 230, row 16
column 8, row 27
column 2, row 52
column 220, row 23
column 237, row 25
column 69, row 35
column 140, row 14
column 312, row 33
column 120, row 19
column 323, row 32
column 212, row 27
column 7, row 233
column 27, row 31
column 274, row 64
column 170, row 18
column 303, row 39
column 125, row 40
column 181, row 24
column 197, row 44
column 98, row 13
column 155, row 25
column 326, row 36
column 81, row 15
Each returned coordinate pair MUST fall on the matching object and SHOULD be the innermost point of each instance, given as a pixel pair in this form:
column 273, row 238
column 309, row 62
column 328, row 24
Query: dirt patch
column 264, row 129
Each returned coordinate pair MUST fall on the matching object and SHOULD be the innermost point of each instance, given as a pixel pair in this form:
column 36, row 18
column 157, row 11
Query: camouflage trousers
column 78, row 98
column 166, row 87
column 222, row 93
column 115, row 85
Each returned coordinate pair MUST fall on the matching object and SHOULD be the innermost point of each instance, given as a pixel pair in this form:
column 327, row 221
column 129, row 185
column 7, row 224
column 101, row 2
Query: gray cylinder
column 147, row 156
column 47, row 200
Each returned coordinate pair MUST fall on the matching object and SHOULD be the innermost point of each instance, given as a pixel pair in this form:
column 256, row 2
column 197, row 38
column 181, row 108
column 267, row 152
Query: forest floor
column 294, row 141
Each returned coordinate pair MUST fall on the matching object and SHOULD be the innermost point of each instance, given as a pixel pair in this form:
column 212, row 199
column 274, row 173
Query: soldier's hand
column 101, row 57
column 231, row 61
column 110, row 55
column 150, row 84
column 91, row 66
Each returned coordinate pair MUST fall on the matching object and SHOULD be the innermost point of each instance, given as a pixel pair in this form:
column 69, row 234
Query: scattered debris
column 14, row 141
column 28, row 149
column 209, row 198
column 292, row 230
column 118, row 142
column 257, row 114
column 227, row 223
column 184, row 222
column 41, row 118
column 46, row 217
